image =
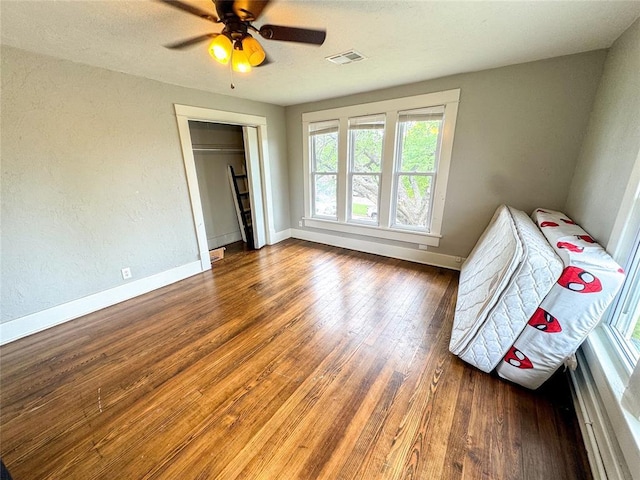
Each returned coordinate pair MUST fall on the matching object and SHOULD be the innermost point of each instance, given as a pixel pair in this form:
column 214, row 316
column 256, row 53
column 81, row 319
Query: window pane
column 419, row 132
column 413, row 196
column 324, row 194
column 324, row 146
column 365, row 143
column 635, row 333
column 626, row 317
column 364, row 197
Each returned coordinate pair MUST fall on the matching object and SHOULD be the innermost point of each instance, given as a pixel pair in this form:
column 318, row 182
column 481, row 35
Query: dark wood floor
column 296, row 361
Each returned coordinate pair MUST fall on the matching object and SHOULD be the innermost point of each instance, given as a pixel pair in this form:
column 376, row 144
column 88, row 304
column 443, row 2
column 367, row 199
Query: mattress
column 571, row 309
column 510, row 270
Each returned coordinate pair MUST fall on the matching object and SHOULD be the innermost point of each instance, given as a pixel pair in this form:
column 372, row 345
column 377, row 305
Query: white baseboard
column 36, row 322
column 225, row 239
column 277, row 237
column 385, row 250
column 584, row 402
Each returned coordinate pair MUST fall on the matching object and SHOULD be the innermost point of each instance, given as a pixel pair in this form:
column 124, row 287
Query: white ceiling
column 404, row 41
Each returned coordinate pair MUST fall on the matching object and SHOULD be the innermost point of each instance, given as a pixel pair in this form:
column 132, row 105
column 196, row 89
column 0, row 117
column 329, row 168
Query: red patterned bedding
column 571, row 309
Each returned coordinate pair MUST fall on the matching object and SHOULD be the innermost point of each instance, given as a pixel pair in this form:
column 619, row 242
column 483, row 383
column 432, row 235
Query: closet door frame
column 184, row 113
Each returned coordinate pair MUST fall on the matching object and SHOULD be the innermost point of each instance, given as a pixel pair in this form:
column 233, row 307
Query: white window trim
column 351, row 173
column 449, row 99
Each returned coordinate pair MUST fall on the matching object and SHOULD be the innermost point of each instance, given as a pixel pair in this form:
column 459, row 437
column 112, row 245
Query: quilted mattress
column 502, row 282
column 570, row 310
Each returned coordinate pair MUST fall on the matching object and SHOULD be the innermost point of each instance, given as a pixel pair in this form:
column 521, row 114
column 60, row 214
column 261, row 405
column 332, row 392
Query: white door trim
column 254, row 176
column 184, row 113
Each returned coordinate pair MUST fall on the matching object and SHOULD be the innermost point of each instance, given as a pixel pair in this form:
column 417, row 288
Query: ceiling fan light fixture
column 221, row 48
column 253, row 50
column 240, row 61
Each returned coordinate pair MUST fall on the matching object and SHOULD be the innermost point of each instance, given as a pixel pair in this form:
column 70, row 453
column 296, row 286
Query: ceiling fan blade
column 185, row 7
column 190, row 41
column 292, row 34
column 249, row 10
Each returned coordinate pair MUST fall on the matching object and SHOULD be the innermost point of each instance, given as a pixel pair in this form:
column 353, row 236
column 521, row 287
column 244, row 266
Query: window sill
column 429, row 239
column 611, row 376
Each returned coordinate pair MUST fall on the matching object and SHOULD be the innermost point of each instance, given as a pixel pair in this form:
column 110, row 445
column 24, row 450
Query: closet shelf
column 217, row 149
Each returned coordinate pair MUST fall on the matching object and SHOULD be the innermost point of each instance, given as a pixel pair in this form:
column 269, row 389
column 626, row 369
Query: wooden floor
column 298, row 361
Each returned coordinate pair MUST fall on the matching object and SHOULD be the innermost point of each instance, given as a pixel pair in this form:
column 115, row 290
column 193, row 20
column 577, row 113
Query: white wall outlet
column 423, row 247
column 126, row 273
column 458, row 260
column 300, row 223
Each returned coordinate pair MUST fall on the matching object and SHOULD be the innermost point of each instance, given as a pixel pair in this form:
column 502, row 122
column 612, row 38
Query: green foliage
column 325, row 152
column 419, row 145
column 636, row 330
column 367, row 150
column 418, row 155
column 359, row 209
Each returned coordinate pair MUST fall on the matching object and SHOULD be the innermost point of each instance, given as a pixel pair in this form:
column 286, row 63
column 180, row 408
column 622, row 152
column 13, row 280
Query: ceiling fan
column 235, row 43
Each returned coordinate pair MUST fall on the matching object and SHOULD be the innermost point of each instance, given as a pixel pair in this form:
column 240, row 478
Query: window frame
column 315, row 173
column 607, row 361
column 398, row 172
column 624, row 246
column 615, row 322
column 383, row 230
column 351, row 172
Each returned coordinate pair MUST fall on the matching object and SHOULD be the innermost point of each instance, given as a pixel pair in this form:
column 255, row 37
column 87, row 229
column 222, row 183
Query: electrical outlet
column 423, row 247
column 458, row 260
column 126, row 273
column 300, row 223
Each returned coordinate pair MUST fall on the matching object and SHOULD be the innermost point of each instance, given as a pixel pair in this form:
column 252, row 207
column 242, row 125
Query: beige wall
column 93, row 179
column 612, row 141
column 518, row 136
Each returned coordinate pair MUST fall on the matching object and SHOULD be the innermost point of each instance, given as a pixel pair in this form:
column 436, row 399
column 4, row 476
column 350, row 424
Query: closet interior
column 219, row 154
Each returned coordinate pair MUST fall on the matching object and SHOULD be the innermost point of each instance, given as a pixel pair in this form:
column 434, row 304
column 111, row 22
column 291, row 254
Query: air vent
column 346, row 57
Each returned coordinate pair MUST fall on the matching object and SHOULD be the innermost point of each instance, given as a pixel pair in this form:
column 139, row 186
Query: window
column 625, row 317
column 366, row 137
column 418, row 146
column 324, row 166
column 380, row 169
column 623, row 322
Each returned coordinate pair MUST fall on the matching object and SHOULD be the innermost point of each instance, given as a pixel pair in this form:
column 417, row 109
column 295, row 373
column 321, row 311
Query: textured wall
column 612, row 142
column 93, row 179
column 518, row 135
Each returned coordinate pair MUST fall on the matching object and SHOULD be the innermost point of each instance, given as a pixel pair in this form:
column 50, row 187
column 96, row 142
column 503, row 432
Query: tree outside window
column 324, row 160
column 418, row 145
column 366, row 139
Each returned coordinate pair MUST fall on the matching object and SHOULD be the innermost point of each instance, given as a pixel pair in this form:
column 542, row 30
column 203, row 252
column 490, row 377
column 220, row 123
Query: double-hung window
column 380, row 169
column 323, row 153
column 366, row 138
column 612, row 351
column 624, row 318
column 418, row 146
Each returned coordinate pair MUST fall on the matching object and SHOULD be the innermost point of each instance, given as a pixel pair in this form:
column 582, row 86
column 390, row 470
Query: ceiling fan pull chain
column 231, row 76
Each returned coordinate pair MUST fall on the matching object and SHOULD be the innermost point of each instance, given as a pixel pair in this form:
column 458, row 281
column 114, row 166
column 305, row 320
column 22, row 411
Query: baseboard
column 583, row 402
column 385, row 250
column 277, row 237
column 36, row 322
column 605, row 456
column 225, row 239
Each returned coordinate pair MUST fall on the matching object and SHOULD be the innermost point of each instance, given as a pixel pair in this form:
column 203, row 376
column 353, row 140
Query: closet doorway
column 216, row 146
column 211, row 140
